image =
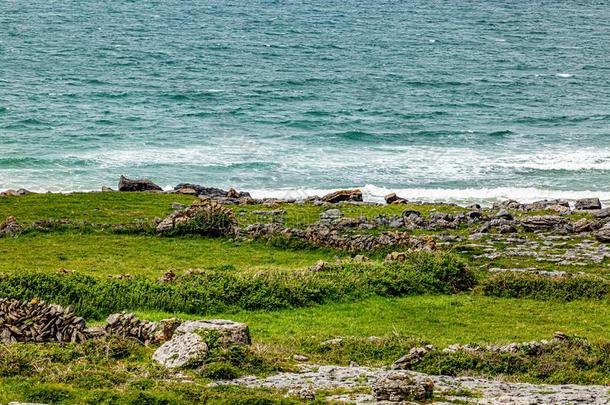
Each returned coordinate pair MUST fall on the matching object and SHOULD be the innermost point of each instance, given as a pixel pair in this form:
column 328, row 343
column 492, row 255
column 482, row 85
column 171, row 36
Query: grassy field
column 106, row 254
column 438, row 298
column 440, row 320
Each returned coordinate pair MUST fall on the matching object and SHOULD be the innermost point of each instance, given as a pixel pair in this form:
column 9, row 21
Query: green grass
column 439, row 319
column 109, row 254
column 107, row 208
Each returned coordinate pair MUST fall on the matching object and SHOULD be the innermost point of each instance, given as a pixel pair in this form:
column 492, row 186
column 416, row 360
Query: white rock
column 181, row 350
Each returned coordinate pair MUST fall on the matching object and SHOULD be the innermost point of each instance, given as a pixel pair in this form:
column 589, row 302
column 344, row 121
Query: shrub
column 568, row 288
column 220, row 290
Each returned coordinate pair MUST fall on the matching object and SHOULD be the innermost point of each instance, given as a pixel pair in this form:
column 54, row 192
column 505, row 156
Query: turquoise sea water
column 439, row 99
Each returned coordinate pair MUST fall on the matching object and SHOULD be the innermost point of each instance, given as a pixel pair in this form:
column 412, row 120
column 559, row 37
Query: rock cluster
column 355, row 382
column 35, row 321
column 532, row 348
column 146, row 332
column 204, row 216
column 126, row 184
column 343, row 196
column 189, row 344
column 15, row 193
column 401, row 386
column 10, row 227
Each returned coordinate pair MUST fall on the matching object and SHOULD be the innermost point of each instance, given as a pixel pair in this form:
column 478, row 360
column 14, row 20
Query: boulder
column 106, row 189
column 15, row 193
column 542, row 222
column 10, row 227
column 401, row 386
column 210, row 192
column 186, row 191
column 602, row 214
column 343, row 195
column 504, row 215
column 229, row 332
column 331, row 214
column 126, row 184
column 583, row 225
column 392, row 198
column 185, row 349
column 414, row 356
column 603, row 234
column 588, row 204
column 146, row 332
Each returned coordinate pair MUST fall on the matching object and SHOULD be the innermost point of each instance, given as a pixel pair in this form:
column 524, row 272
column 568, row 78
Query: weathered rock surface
column 402, row 386
column 10, row 227
column 588, row 204
column 604, row 233
column 186, row 349
column 35, row 321
column 204, row 216
column 15, row 193
column 126, row 184
column 542, row 222
column 392, row 198
column 316, row 378
column 229, row 332
column 146, row 332
column 343, row 195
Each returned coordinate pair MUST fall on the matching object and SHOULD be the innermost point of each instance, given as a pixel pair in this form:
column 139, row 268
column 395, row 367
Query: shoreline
column 485, row 197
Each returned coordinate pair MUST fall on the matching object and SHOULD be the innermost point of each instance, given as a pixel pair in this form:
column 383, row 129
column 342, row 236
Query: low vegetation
column 101, row 253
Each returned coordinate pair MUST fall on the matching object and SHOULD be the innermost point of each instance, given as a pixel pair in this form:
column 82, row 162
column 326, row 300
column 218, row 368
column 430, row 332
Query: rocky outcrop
column 356, row 383
column 603, row 235
column 190, row 342
column 400, row 386
column 588, row 204
column 210, row 192
column 126, row 184
column 203, row 217
column 343, row 196
column 187, row 349
column 10, row 227
column 15, row 193
column 392, row 198
column 543, row 222
column 35, row 321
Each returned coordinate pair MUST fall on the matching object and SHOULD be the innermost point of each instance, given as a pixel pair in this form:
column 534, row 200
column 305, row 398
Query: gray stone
column 588, row 204
column 183, row 350
column 126, row 184
column 399, row 386
column 331, row 214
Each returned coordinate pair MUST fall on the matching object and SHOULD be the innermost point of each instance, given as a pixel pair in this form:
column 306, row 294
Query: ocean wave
column 485, row 196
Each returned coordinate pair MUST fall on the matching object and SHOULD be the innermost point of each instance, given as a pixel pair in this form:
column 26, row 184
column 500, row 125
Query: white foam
column 485, row 196
column 565, row 75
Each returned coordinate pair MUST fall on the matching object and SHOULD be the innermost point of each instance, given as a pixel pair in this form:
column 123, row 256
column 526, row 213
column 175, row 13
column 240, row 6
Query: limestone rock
column 331, row 214
column 343, row 195
column 392, row 198
column 400, row 386
column 542, row 222
column 207, row 217
column 603, row 234
column 186, row 349
column 126, row 184
column 588, row 204
column 230, row 332
column 15, row 193
column 10, row 227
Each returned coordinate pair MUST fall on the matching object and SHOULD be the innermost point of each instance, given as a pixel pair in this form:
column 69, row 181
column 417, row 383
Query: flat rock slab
column 182, row 350
column 490, row 392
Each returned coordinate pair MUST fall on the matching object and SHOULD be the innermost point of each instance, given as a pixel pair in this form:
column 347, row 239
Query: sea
column 436, row 100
